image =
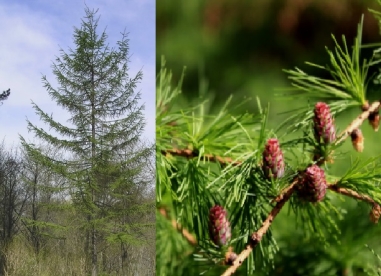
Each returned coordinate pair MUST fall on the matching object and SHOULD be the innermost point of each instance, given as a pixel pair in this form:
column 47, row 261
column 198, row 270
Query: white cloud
column 26, row 50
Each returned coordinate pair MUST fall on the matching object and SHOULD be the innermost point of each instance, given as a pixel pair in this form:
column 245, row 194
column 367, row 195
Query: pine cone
column 312, row 186
column 323, row 123
column 230, row 256
column 375, row 213
column 273, row 161
column 374, row 120
column 357, row 140
column 219, row 227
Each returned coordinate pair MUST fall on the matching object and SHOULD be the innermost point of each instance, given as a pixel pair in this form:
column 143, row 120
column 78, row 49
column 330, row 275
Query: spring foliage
column 204, row 160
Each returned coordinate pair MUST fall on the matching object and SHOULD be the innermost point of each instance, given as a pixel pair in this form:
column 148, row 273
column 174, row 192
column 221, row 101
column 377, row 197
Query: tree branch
column 281, row 199
column 285, row 195
column 351, row 193
column 207, row 157
column 188, row 236
column 356, row 123
column 256, row 237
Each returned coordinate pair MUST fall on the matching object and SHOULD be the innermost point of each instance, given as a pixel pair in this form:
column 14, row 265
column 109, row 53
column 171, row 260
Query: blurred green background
column 239, row 48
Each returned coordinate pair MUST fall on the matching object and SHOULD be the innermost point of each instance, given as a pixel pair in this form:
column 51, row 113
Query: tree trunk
column 94, row 271
column 93, row 234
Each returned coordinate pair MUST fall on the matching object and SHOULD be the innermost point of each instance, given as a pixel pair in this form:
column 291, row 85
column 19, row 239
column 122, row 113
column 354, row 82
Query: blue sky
column 32, row 32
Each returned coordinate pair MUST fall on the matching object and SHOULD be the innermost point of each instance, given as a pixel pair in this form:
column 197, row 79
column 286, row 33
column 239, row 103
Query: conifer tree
column 5, row 95
column 222, row 179
column 106, row 122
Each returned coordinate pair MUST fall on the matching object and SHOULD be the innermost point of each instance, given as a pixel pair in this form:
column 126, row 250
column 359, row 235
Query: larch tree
column 106, row 118
column 4, row 95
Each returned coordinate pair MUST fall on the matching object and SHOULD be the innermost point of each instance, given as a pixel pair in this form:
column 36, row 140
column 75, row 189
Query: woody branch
column 286, row 194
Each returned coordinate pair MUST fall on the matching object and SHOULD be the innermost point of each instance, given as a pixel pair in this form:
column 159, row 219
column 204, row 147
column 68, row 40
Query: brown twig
column 256, row 237
column 188, row 236
column 207, row 157
column 285, row 191
column 374, row 214
column 356, row 123
column 351, row 193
